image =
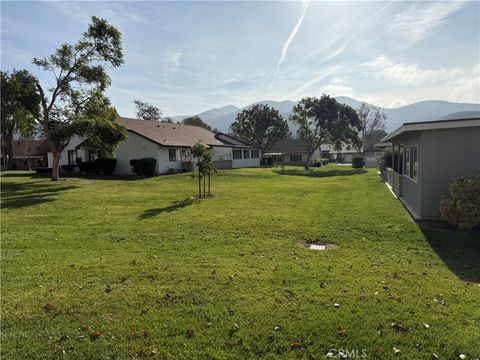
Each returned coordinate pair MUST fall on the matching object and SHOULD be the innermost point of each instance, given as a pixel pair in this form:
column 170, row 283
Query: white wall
column 163, row 162
column 134, row 147
column 137, row 147
column 64, row 154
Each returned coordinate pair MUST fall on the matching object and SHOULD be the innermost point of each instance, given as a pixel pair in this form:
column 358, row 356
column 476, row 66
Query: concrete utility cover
column 318, row 244
column 317, row 247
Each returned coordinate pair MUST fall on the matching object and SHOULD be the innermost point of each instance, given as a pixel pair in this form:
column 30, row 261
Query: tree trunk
column 309, row 155
column 209, row 184
column 56, row 166
column 199, row 185
column 8, row 155
column 204, row 185
column 8, row 145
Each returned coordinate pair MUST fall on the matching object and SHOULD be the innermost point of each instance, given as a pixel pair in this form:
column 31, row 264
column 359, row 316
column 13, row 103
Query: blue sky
column 187, row 57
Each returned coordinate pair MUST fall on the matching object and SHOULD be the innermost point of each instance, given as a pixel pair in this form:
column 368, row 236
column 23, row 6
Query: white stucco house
column 170, row 145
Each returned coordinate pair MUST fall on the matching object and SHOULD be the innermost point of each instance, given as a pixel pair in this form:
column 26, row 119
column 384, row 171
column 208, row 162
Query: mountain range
column 221, row 118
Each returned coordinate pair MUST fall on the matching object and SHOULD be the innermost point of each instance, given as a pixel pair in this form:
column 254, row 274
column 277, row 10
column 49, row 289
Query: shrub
column 43, row 170
column 357, row 162
column 266, row 161
column 463, row 207
column 386, row 159
column 145, row 166
column 320, row 162
column 67, row 169
column 85, row 167
column 105, row 166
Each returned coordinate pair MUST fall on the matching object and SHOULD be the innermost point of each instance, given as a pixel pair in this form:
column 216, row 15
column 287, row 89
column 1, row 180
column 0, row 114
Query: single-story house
column 344, row 155
column 294, row 152
column 170, row 144
column 428, row 155
column 28, row 154
column 372, row 148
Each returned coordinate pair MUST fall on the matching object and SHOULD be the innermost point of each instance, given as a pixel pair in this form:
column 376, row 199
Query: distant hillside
column 425, row 110
column 209, row 115
column 421, row 111
column 223, row 121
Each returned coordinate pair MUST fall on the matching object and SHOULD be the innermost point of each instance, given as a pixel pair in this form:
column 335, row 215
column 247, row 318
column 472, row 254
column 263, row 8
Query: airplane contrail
column 283, row 55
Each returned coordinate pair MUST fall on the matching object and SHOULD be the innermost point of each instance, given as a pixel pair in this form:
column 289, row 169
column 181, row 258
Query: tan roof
column 166, row 134
column 29, row 148
column 289, row 146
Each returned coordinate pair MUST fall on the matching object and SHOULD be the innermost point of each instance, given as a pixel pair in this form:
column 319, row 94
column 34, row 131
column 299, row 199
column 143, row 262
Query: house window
column 255, row 154
column 296, row 158
column 410, row 163
column 246, row 154
column 414, row 162
column 72, row 157
column 237, row 154
column 172, row 155
column 93, row 155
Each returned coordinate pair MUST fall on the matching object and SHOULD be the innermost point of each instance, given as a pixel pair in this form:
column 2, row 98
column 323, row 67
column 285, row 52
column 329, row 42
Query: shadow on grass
column 459, row 250
column 23, row 174
column 34, row 175
column 176, row 205
column 320, row 174
column 20, row 195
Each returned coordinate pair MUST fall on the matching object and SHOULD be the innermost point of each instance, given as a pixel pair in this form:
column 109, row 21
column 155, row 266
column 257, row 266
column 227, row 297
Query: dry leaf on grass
column 296, row 346
column 399, row 328
column 49, row 307
column 95, row 335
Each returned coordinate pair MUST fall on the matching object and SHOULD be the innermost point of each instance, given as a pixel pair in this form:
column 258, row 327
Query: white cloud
column 409, row 83
column 301, row 90
column 337, row 89
column 467, row 87
column 171, row 63
column 417, row 21
column 397, row 103
column 408, row 74
column 115, row 13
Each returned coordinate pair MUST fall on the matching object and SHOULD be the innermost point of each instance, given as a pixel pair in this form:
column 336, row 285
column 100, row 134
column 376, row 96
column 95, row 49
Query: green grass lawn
column 132, row 269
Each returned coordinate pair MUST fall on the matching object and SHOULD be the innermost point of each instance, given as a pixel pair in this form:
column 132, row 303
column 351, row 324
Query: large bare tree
column 373, row 119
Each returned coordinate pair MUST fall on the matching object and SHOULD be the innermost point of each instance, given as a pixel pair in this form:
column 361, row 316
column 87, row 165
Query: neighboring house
column 170, row 145
column 347, row 152
column 428, row 155
column 372, row 149
column 343, row 155
column 294, row 152
column 69, row 155
column 28, row 154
